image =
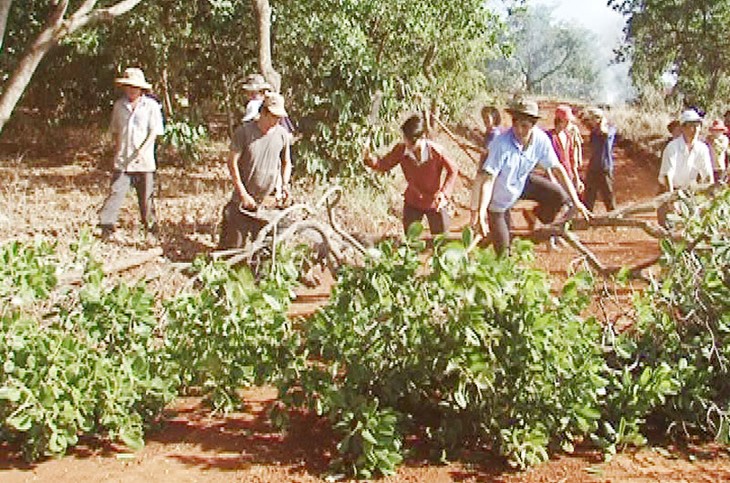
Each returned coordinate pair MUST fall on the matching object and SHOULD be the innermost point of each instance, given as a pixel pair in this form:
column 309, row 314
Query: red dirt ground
column 193, row 445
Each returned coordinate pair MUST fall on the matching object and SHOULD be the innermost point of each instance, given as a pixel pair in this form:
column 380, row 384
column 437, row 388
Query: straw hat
column 256, row 82
column 133, row 76
column 524, row 107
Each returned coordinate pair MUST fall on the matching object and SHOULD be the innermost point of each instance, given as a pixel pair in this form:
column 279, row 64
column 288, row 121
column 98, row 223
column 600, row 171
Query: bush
column 229, row 333
column 683, row 328
column 89, row 365
column 477, row 350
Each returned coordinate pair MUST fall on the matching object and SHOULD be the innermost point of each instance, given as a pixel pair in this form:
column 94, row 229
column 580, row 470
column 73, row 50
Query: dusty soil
column 58, row 197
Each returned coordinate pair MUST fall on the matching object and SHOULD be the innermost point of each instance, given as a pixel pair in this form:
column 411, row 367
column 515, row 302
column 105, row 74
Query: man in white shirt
column 136, row 123
column 685, row 160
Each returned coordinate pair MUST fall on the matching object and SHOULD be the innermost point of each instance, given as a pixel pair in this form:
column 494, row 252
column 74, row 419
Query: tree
column 682, row 37
column 58, row 26
column 546, row 57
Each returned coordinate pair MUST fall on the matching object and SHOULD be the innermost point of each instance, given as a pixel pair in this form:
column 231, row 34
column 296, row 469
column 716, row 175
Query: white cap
column 690, row 115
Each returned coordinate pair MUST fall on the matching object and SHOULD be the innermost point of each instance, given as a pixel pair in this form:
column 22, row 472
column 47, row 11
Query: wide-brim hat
column 133, row 76
column 256, row 82
column 274, row 103
column 595, row 113
column 718, row 126
column 522, row 107
column 690, row 116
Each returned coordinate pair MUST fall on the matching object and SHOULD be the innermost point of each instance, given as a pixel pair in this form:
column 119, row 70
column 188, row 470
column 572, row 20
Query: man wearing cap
column 718, row 142
column 512, row 157
column 685, row 160
column 599, row 178
column 136, row 123
column 260, row 165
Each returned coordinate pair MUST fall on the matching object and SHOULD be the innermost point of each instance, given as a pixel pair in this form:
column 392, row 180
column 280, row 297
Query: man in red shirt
column 422, row 163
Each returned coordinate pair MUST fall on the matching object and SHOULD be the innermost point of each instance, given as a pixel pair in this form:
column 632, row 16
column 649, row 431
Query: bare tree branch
column 4, row 13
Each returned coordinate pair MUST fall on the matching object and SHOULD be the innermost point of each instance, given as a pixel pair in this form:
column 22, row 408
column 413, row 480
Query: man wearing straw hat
column 256, row 88
column 260, row 165
column 136, row 123
column 508, row 167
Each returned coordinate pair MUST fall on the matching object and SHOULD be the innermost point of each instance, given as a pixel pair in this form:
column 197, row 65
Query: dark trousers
column 237, row 227
column 551, row 197
column 599, row 183
column 438, row 221
column 144, row 185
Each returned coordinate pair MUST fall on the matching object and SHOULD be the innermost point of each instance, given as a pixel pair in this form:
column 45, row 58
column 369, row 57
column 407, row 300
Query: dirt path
column 192, row 445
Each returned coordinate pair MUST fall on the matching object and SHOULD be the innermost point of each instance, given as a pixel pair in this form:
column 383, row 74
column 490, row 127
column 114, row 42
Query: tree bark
column 4, row 12
column 263, row 12
column 55, row 30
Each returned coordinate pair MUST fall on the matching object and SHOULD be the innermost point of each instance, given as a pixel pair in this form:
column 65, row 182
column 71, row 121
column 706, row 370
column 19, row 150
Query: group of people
column 259, row 161
column 522, row 162
column 508, row 170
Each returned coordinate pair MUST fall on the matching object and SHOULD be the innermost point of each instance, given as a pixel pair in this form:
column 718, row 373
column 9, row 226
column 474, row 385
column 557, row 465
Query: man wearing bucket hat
column 508, row 167
column 685, row 161
column 718, row 142
column 136, row 123
column 260, row 165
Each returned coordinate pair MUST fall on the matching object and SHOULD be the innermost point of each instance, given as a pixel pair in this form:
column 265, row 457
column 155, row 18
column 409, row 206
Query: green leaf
column 11, row 394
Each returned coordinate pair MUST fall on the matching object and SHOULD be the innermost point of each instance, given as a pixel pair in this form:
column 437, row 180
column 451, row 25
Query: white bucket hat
column 690, row 115
column 133, row 76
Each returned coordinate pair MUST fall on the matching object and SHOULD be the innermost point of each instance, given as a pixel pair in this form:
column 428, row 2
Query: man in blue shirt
column 599, row 179
column 508, row 176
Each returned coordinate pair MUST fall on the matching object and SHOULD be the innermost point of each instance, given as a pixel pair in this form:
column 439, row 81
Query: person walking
column 423, row 164
column 492, row 120
column 685, row 161
column 509, row 165
column 136, row 123
column 564, row 143
column 599, row 179
column 260, row 166
column 718, row 142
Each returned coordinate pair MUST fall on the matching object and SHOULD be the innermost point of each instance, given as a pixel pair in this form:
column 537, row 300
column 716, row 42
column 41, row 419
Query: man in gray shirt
column 260, row 165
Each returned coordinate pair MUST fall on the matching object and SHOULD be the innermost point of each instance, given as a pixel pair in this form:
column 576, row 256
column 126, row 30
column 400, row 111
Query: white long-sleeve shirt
column 683, row 164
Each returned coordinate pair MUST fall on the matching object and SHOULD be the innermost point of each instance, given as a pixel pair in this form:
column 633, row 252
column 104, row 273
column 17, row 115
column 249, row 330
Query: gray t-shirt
column 261, row 157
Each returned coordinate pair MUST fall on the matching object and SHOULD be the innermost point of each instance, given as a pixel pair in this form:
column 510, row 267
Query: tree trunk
column 4, row 12
column 55, row 30
column 263, row 12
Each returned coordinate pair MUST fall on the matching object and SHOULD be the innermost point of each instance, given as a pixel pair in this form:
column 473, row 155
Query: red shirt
column 565, row 153
column 424, row 180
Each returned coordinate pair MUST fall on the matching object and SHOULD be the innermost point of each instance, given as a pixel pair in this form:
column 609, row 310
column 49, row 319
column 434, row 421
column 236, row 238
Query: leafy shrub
column 477, row 350
column 683, row 329
column 229, row 333
column 185, row 138
column 27, row 273
column 89, row 366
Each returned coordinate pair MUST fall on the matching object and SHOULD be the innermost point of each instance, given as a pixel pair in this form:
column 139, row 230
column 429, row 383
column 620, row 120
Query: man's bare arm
column 246, row 200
